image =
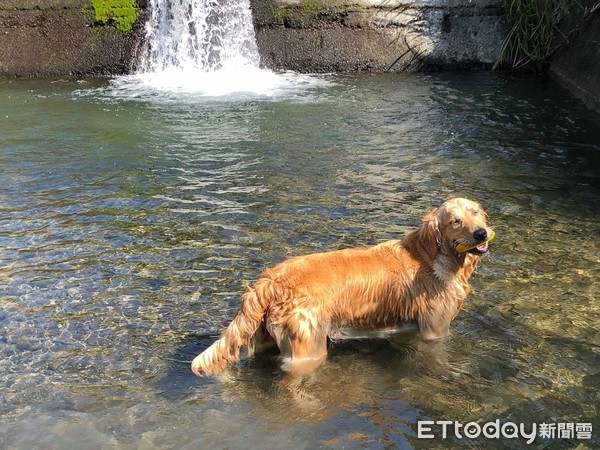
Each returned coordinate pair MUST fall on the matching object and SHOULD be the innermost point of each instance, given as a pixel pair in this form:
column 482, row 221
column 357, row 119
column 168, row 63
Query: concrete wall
column 577, row 63
column 378, row 35
column 58, row 37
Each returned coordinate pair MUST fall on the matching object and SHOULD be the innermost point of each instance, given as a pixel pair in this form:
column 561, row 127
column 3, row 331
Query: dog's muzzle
column 482, row 240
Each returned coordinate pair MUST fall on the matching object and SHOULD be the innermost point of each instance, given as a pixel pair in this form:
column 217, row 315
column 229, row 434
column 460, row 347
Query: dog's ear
column 430, row 235
column 424, row 240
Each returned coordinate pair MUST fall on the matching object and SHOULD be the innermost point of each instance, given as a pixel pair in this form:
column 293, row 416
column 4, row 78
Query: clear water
column 131, row 219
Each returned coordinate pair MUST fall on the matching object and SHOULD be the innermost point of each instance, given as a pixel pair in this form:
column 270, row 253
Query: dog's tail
column 239, row 333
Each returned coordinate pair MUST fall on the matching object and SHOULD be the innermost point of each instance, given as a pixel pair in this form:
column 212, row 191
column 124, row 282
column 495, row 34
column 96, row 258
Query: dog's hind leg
column 261, row 340
column 303, row 349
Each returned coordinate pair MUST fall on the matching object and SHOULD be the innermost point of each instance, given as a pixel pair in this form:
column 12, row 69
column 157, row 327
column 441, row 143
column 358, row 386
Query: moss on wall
column 305, row 8
column 122, row 14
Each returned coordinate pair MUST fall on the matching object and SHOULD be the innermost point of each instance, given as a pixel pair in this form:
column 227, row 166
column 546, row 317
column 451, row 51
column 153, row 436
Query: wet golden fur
column 300, row 303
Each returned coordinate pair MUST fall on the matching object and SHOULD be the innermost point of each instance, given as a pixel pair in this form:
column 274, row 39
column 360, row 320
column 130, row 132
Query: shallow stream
column 131, row 220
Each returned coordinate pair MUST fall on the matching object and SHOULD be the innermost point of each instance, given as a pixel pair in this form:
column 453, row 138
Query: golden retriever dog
column 420, row 282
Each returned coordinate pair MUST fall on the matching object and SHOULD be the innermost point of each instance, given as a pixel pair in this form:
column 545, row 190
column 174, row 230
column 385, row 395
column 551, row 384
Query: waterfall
column 198, row 36
column 204, row 48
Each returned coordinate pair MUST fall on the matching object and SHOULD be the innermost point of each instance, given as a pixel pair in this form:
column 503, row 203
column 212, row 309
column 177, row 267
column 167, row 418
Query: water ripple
column 130, row 223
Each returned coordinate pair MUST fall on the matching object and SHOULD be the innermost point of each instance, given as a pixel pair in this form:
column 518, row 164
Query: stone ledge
column 378, row 35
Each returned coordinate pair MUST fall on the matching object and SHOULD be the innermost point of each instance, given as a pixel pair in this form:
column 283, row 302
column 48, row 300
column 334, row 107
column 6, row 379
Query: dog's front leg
column 435, row 323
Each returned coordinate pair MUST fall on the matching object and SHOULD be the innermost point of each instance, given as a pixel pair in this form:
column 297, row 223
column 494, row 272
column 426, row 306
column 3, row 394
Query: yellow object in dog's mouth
column 482, row 246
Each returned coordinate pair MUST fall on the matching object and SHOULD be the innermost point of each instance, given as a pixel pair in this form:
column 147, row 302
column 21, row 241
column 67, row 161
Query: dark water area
column 130, row 223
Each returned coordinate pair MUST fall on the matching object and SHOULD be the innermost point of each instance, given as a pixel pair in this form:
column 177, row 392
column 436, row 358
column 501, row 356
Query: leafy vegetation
column 535, row 34
column 533, row 24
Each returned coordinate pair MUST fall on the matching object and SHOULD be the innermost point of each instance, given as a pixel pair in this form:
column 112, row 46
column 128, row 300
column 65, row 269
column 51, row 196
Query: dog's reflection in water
column 356, row 371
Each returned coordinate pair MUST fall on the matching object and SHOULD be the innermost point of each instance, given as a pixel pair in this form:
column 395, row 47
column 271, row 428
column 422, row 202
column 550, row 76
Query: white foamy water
column 236, row 82
column 204, row 48
column 199, row 35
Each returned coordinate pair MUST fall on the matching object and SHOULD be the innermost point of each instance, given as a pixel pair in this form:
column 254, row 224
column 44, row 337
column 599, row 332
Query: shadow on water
column 178, row 379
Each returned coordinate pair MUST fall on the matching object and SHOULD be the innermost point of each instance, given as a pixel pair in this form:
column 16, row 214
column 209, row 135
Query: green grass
column 534, row 23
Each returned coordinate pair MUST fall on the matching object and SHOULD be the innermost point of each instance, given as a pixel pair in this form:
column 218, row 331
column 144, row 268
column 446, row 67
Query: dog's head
column 458, row 226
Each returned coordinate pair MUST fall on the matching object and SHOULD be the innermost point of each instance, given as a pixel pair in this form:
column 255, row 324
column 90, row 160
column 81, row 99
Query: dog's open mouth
column 480, row 249
column 477, row 249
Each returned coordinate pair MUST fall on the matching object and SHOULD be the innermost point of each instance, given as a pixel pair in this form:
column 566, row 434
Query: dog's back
column 306, row 299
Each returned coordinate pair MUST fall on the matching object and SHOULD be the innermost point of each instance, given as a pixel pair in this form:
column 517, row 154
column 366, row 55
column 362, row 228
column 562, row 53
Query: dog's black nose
column 480, row 234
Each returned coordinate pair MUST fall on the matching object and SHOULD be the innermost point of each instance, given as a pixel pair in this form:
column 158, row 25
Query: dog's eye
column 456, row 222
